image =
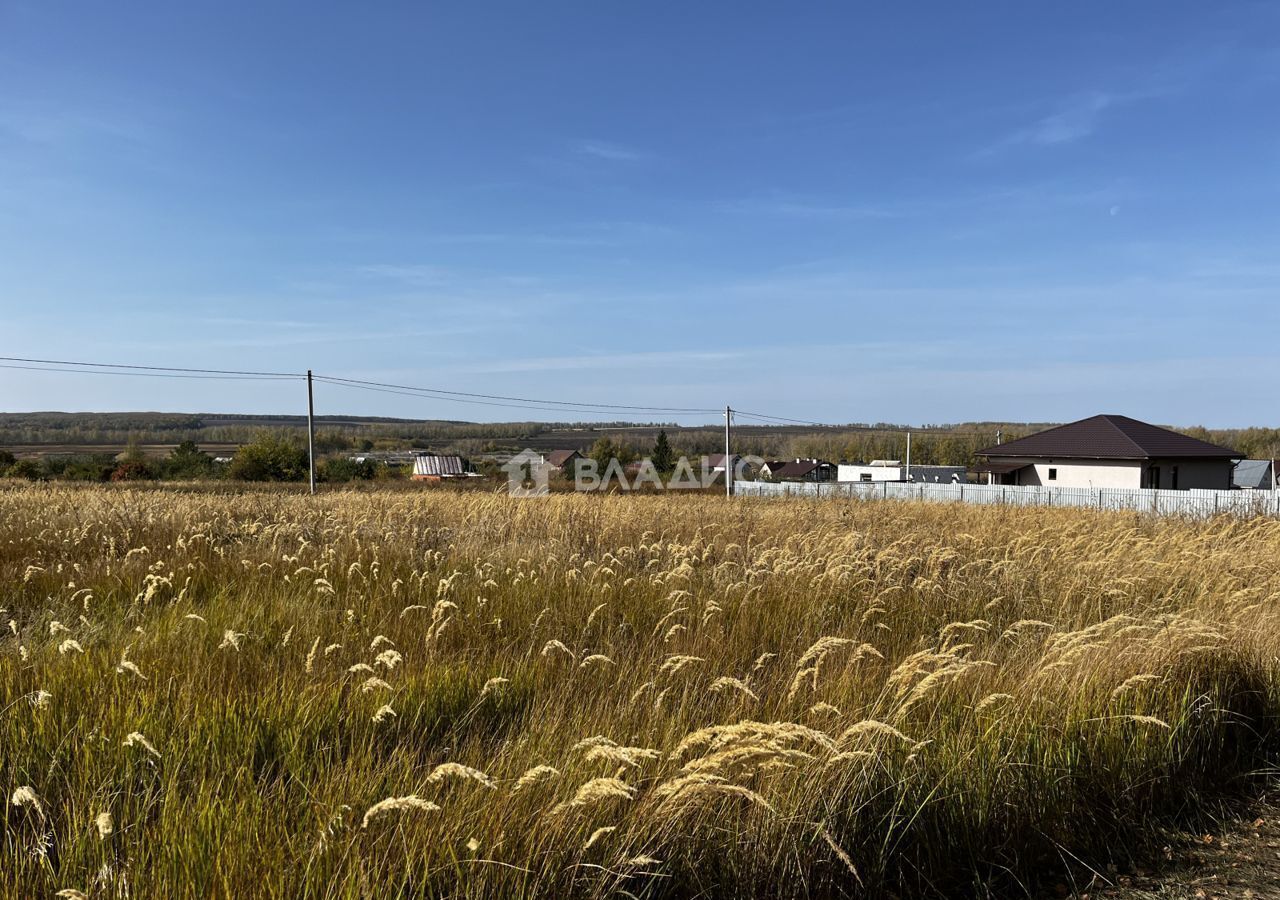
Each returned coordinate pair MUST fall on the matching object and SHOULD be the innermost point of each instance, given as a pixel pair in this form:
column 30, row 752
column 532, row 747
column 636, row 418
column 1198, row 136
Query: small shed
column 433, row 468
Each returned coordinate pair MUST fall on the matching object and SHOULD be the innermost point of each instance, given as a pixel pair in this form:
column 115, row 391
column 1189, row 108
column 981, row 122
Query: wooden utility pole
column 311, row 432
column 728, row 461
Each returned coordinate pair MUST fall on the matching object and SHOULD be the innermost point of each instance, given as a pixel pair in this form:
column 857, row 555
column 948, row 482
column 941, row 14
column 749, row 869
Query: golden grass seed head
column 410, row 802
column 25, row 797
column 309, row 663
column 535, row 775
column 389, row 659
column 138, row 739
column 1132, row 682
column 673, row 665
column 554, row 646
column 727, row 683
column 991, row 700
column 459, row 772
column 872, row 728
column 601, row 790
column 598, row 834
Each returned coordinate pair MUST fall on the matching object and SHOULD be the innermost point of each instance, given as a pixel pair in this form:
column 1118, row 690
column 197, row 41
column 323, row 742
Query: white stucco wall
column 847, row 472
column 1099, row 473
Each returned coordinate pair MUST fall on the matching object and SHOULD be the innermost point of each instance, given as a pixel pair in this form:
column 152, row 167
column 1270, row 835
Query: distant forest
column 45, row 433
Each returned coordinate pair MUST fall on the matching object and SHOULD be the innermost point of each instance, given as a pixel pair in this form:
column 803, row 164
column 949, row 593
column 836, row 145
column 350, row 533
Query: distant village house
column 715, row 462
column 894, row 470
column 563, row 460
column 802, row 470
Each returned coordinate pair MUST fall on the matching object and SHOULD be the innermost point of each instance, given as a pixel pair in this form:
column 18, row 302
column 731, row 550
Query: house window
column 1053, row 474
column 866, row 476
column 1173, row 476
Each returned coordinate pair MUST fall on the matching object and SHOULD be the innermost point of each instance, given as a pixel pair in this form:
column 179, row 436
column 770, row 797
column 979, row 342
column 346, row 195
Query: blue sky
column 928, row 213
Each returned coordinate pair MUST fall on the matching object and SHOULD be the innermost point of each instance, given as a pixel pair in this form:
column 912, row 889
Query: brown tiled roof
column 1110, row 437
column 558, row 458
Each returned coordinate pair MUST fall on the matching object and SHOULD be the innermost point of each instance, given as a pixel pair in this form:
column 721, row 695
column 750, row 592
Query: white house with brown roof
column 1111, row 452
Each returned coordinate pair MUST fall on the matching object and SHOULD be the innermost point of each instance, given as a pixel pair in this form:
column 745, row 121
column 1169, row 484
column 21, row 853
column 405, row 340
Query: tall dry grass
column 472, row 696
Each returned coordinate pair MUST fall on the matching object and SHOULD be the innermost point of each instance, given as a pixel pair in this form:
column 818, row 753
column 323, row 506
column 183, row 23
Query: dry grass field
column 465, row 695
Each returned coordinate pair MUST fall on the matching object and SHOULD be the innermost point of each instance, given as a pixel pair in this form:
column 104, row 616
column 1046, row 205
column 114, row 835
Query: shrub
column 341, row 469
column 81, row 466
column 132, row 470
column 187, row 462
column 269, row 457
column 29, row 469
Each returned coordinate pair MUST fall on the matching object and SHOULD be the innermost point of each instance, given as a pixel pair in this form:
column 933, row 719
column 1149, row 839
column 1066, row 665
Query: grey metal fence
column 1199, row 504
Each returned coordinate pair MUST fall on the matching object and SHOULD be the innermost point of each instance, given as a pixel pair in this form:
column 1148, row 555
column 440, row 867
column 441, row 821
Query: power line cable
column 104, row 368
column 228, row 377
column 465, row 397
column 740, row 412
column 95, row 365
column 564, row 403
column 404, row 393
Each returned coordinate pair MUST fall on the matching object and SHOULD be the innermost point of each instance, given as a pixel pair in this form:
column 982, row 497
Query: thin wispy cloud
column 806, row 209
column 63, row 121
column 503, row 237
column 609, row 151
column 608, row 361
column 1078, row 119
column 342, row 338
column 1073, row 119
column 414, row 275
column 1013, row 198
